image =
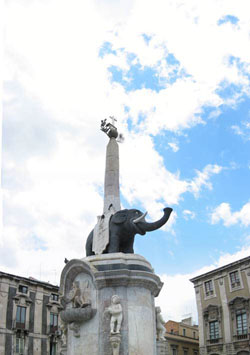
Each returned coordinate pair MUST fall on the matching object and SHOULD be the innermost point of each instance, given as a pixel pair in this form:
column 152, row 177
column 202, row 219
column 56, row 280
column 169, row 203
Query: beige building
column 223, row 301
column 28, row 316
column 182, row 337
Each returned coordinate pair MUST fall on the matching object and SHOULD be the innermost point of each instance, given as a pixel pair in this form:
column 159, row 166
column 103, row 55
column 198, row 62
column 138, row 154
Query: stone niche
column 87, row 289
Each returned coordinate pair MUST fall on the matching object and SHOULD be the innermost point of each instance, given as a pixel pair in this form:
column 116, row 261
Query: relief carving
column 212, row 312
column 77, row 306
column 77, row 296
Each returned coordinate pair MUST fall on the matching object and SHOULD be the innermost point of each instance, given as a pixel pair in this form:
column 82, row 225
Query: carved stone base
column 115, row 341
column 129, row 276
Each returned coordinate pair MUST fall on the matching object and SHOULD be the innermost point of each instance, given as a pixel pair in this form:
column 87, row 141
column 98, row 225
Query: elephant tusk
column 140, row 218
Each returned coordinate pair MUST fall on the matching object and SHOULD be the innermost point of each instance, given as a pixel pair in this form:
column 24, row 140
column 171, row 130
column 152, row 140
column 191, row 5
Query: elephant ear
column 120, row 217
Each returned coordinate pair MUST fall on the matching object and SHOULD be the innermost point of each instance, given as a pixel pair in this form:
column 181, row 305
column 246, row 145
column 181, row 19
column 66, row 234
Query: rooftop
column 29, row 280
column 220, row 269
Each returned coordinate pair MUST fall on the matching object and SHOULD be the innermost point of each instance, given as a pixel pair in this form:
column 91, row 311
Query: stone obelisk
column 111, row 183
column 111, row 189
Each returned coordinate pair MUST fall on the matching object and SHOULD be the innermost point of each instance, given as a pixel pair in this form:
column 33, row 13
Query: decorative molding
column 212, row 313
column 22, row 299
column 115, row 341
column 129, row 278
column 239, row 303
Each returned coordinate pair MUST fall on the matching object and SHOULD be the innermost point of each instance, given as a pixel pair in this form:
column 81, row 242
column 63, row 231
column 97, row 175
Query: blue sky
column 176, row 76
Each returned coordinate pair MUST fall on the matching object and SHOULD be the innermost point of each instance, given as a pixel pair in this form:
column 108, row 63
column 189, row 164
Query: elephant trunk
column 149, row 227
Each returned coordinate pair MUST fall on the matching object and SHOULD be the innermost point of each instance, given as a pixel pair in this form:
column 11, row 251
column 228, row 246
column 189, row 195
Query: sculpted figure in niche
column 115, row 311
column 77, row 297
column 160, row 329
column 64, row 330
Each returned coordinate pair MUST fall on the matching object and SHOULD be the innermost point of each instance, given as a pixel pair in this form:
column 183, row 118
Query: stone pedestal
column 132, row 279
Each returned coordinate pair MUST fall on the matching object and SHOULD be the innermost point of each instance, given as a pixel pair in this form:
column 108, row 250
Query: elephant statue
column 123, row 226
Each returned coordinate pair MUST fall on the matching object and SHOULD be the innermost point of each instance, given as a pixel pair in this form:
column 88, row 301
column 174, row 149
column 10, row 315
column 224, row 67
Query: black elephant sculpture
column 123, row 226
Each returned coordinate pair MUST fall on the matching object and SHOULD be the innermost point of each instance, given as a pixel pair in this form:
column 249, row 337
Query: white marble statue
column 160, row 329
column 115, row 311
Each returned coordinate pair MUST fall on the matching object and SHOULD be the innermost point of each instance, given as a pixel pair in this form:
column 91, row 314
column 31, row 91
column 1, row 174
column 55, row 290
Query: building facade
column 28, row 316
column 182, row 337
column 223, row 300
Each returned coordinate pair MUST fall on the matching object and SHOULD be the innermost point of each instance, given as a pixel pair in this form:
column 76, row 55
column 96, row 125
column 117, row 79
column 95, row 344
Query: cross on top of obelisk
column 109, row 128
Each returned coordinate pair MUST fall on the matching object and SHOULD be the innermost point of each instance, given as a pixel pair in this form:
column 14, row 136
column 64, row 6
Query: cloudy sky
column 176, row 75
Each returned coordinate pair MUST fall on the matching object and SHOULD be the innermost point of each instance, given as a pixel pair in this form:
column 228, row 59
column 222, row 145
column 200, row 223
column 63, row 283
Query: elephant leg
column 128, row 248
column 114, row 244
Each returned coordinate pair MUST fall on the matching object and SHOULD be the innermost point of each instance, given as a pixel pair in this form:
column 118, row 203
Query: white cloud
column 188, row 214
column 202, row 178
column 223, row 213
column 242, row 130
column 174, row 146
column 198, row 49
column 145, row 179
column 66, row 56
column 177, row 297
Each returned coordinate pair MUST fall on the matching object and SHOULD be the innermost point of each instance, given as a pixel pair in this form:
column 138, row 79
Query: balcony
column 20, row 326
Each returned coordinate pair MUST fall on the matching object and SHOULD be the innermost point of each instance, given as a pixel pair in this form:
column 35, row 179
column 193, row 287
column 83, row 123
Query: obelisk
column 111, row 182
column 111, row 189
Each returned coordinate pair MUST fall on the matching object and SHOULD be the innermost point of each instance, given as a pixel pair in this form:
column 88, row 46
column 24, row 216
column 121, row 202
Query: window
column 235, row 279
column 54, row 297
column 241, row 321
column 23, row 289
column 20, row 316
column 174, row 351
column 172, row 331
column 214, row 330
column 19, row 345
column 53, row 322
column 184, row 332
column 194, row 335
column 185, row 352
column 209, row 288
